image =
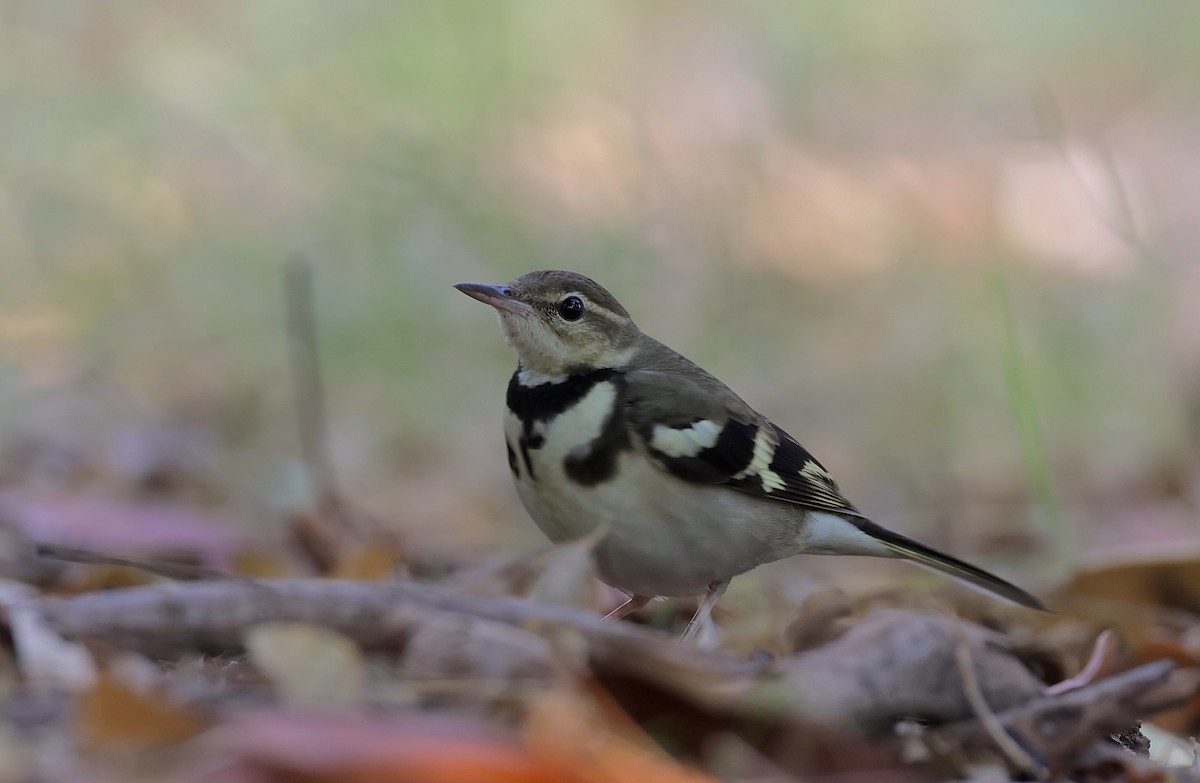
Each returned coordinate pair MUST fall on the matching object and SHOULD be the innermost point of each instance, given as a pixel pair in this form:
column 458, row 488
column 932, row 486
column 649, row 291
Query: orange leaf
column 365, row 563
column 352, row 749
column 114, row 717
column 1185, row 718
column 599, row 742
column 261, row 564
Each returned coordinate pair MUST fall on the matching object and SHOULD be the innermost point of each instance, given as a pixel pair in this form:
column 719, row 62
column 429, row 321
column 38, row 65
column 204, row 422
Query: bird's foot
column 715, row 591
column 634, row 603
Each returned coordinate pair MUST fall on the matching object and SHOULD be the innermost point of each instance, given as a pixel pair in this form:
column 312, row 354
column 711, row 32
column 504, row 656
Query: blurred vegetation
column 950, row 246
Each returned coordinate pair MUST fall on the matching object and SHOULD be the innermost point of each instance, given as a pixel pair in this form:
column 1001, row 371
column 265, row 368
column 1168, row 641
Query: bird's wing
column 699, row 431
column 696, row 429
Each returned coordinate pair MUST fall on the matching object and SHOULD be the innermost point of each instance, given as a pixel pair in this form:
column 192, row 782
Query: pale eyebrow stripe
column 595, row 307
column 601, row 310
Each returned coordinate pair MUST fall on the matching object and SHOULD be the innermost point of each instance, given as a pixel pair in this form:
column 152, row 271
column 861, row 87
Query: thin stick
column 987, row 718
column 310, row 391
column 1103, row 649
column 164, row 568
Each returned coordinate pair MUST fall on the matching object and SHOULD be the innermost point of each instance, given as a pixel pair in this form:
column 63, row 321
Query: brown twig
column 168, row 620
column 892, row 663
column 1102, row 653
column 991, row 724
column 1057, row 727
column 895, row 663
column 159, row 567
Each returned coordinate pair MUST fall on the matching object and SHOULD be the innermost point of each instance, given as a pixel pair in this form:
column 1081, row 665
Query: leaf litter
column 198, row 653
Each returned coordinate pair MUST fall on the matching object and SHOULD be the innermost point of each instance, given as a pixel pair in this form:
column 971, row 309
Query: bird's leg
column 634, row 603
column 715, row 591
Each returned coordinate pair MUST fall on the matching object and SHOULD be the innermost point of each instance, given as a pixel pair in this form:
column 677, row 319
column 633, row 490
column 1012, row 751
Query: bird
column 608, row 428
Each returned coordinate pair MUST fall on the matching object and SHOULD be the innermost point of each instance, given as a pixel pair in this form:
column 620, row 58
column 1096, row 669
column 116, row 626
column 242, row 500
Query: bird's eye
column 571, row 308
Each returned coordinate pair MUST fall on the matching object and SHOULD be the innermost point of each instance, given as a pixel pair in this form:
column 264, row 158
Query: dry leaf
column 366, row 563
column 351, row 749
column 823, row 616
column 262, row 564
column 900, row 662
column 17, row 757
column 112, row 716
column 588, row 732
column 46, row 659
column 1164, row 582
column 1184, row 719
column 310, row 666
column 106, row 577
column 568, row 575
column 133, row 529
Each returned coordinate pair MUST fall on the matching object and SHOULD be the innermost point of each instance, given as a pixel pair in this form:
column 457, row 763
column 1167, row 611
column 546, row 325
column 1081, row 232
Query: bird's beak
column 498, row 296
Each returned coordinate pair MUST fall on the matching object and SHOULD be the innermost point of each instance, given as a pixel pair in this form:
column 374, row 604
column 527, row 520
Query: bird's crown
column 560, row 322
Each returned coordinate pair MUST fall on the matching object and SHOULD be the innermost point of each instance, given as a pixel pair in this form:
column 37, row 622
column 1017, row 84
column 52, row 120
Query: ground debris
column 833, row 708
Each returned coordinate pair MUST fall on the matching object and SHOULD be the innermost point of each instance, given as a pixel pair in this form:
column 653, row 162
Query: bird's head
column 560, row 322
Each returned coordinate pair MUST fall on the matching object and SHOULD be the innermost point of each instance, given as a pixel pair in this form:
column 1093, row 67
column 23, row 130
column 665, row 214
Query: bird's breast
column 558, row 456
column 578, row 469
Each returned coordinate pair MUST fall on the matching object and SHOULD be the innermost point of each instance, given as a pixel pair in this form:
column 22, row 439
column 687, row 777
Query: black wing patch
column 730, row 455
column 695, row 438
column 778, row 467
column 805, row 480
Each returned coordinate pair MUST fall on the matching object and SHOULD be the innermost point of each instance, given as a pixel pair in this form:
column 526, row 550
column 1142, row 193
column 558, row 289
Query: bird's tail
column 906, row 547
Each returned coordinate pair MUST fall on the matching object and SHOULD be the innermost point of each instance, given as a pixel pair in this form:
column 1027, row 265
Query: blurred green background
column 948, row 245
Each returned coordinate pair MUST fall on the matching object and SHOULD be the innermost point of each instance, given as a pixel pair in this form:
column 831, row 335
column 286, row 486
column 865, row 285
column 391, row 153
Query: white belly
column 665, row 536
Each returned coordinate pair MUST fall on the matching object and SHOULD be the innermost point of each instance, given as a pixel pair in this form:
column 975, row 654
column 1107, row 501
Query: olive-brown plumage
column 607, row 427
